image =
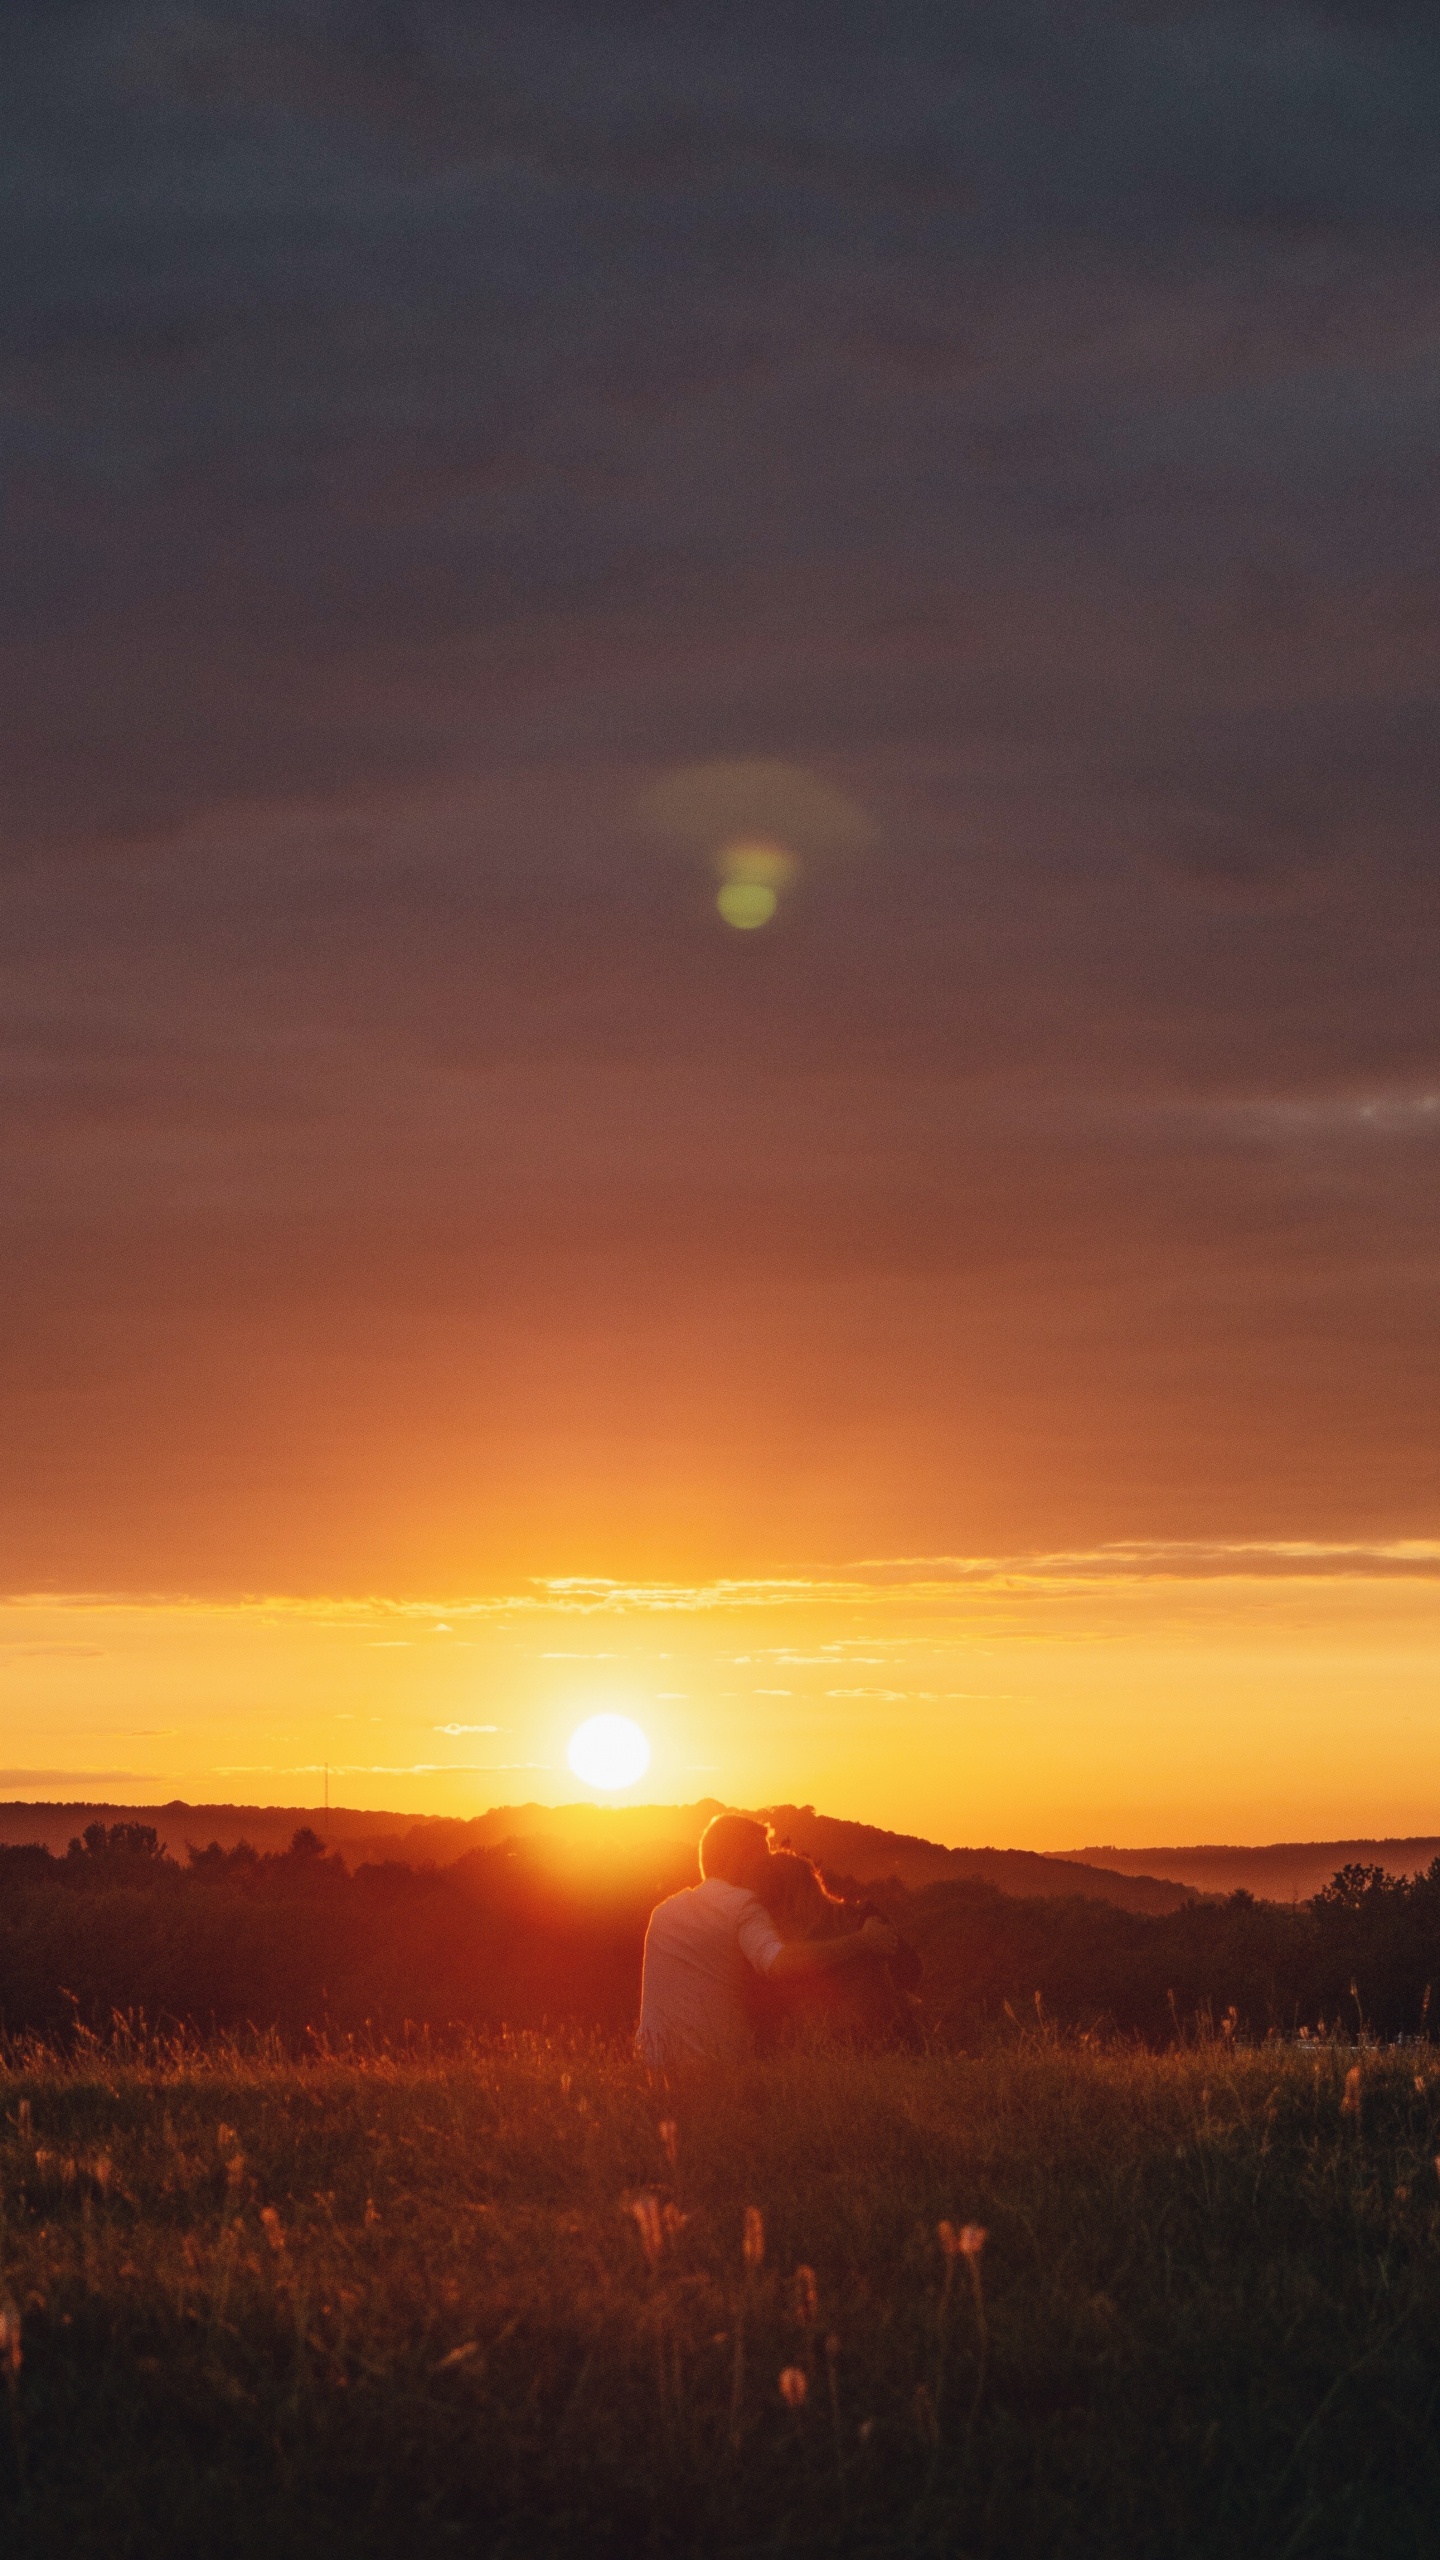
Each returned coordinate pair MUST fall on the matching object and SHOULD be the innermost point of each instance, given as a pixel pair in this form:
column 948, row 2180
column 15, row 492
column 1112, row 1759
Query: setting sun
column 609, row 1751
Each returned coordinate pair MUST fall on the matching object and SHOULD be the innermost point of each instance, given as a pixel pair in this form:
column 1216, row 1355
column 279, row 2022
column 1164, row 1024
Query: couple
column 705, row 1947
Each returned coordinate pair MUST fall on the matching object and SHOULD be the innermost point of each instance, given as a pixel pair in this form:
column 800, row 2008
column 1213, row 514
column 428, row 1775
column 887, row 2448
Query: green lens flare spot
column 746, row 904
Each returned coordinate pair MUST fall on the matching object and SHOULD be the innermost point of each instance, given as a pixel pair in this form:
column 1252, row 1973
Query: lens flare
column 752, row 875
column 608, row 1752
column 746, row 904
column 758, row 866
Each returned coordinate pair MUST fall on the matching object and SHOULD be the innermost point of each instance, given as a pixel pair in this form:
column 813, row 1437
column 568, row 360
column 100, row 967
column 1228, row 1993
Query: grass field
column 405, row 2303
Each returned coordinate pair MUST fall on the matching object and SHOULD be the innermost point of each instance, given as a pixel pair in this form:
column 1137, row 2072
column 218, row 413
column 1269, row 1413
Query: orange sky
column 1038, row 1702
column 466, row 511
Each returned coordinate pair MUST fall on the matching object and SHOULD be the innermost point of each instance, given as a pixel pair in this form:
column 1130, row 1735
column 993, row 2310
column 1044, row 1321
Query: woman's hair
column 731, row 1845
column 797, row 1897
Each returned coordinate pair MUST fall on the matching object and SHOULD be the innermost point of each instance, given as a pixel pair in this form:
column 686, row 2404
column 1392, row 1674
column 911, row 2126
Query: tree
column 128, row 1843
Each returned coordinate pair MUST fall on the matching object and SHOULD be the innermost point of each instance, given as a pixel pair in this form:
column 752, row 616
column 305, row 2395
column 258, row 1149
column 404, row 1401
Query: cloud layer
column 438, row 429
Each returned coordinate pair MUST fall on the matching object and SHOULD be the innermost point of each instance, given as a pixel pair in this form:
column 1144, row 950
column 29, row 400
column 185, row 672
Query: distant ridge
column 1286, row 1871
column 858, row 1851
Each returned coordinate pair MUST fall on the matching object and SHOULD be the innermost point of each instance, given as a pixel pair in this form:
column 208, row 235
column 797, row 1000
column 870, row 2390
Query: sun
column 609, row 1752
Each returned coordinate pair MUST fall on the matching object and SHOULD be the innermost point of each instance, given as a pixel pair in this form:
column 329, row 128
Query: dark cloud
column 435, row 427
column 1275, row 797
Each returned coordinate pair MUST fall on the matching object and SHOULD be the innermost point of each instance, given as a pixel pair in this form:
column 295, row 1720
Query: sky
column 477, row 484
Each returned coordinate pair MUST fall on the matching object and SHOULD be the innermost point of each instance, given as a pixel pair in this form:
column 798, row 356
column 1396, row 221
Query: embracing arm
column 827, row 1955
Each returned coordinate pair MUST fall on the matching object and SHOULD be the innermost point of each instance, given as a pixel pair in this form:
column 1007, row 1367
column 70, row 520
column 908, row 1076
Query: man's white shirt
column 700, row 1949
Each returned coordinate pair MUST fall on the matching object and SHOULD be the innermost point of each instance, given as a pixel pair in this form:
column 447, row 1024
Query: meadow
column 510, row 2297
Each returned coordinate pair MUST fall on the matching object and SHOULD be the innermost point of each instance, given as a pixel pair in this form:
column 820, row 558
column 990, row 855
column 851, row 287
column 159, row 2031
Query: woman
column 869, row 2002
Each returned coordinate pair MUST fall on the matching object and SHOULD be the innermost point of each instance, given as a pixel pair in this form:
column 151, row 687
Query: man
column 702, row 1944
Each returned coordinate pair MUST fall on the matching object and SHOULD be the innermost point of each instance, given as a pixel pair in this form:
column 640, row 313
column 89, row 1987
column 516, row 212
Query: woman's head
column 796, row 1896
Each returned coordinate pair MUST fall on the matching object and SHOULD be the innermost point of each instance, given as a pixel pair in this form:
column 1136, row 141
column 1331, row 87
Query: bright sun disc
column 608, row 1751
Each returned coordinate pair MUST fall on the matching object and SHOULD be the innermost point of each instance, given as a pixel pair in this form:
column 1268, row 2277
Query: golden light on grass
column 609, row 1752
column 645, row 2210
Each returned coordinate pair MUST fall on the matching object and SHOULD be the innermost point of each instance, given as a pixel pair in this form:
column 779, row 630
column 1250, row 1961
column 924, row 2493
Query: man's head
column 735, row 1849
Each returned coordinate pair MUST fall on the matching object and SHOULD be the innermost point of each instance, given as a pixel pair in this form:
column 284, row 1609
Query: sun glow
column 609, row 1752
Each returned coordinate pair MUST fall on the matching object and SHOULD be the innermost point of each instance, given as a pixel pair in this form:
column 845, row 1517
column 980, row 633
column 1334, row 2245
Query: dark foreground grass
column 400, row 2304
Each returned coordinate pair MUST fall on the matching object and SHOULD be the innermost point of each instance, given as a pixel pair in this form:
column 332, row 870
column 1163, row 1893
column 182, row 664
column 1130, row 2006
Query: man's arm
column 827, row 1955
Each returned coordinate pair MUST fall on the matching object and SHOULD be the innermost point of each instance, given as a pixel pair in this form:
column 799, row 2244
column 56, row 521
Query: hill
column 858, row 1852
column 1286, row 1871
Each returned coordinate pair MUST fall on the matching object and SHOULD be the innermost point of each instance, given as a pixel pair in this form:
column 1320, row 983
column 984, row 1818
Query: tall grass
column 516, row 2299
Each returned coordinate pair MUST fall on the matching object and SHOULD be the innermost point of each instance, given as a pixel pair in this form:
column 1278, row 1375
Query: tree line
column 519, row 1936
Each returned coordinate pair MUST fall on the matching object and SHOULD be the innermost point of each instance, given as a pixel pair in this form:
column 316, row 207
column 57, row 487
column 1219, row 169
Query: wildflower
column 102, row 2170
column 273, row 2230
column 793, row 2387
column 1419, row 2084
column 224, row 2137
column 754, row 2241
column 674, row 2220
column 648, row 2222
column 973, row 2236
column 669, row 2133
column 807, row 2299
column 10, row 2343
column 949, row 2239
column 1350, row 2103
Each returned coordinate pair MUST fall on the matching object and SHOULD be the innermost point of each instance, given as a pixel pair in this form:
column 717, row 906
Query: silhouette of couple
column 760, row 1948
